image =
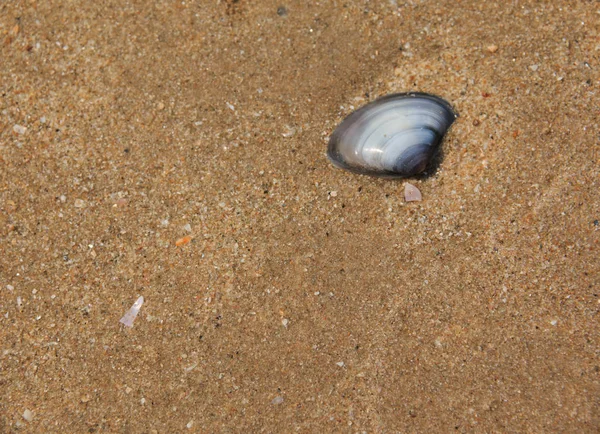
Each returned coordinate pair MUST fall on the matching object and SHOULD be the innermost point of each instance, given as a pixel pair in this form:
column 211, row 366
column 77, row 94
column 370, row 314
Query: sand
column 175, row 150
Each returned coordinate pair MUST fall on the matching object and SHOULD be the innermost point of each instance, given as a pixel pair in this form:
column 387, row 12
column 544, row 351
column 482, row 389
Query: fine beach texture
column 175, row 150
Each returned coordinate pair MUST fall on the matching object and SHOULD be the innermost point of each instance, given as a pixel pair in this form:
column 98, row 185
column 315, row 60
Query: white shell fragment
column 394, row 136
column 411, row 193
column 132, row 313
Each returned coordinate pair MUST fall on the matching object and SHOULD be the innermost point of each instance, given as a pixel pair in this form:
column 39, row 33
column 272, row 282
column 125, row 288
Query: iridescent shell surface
column 394, row 136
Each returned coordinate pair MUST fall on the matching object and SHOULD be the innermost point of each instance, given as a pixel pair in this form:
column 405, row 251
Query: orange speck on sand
column 183, row 241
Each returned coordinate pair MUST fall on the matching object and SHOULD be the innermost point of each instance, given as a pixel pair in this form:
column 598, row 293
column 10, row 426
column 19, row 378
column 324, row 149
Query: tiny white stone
column 554, row 322
column 230, row 106
column 190, row 424
column 10, row 287
column 79, row 203
column 19, row 129
column 28, row 415
column 340, row 364
column 333, row 193
column 285, row 322
column 289, row 131
column 277, row 400
column 19, row 301
column 187, row 228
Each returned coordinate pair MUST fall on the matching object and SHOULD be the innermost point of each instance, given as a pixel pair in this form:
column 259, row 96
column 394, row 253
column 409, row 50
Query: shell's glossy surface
column 393, row 136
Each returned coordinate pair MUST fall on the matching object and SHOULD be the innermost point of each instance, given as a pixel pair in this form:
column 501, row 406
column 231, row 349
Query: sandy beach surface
column 175, row 150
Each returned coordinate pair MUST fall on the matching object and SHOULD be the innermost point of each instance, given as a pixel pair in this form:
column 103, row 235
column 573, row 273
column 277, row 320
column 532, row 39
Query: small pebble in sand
column 277, row 400
column 120, row 203
column 340, row 364
column 289, row 131
column 187, row 228
column 28, row 415
column 132, row 313
column 492, row 48
column 282, row 11
column 554, row 322
column 10, row 287
column 190, row 424
column 62, row 198
column 183, row 241
column 411, row 193
column 79, row 203
column 285, row 322
column 19, row 129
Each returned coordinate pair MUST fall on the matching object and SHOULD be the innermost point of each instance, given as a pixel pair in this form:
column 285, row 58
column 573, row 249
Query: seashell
column 132, row 313
column 394, row 136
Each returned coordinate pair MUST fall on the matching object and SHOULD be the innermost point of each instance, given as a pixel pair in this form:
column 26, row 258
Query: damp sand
column 176, row 151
